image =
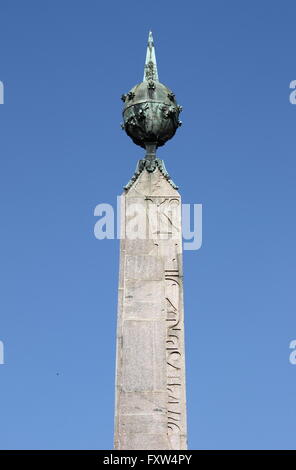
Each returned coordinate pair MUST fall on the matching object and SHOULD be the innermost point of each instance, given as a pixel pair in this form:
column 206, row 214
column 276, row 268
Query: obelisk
column 150, row 365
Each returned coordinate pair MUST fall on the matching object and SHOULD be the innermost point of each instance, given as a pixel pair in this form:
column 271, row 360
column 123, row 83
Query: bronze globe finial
column 150, row 113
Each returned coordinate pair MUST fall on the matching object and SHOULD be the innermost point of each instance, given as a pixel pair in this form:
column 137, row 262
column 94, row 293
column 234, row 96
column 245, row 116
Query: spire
column 150, row 69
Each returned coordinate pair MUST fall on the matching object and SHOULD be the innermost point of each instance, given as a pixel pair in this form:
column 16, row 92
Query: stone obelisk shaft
column 150, row 370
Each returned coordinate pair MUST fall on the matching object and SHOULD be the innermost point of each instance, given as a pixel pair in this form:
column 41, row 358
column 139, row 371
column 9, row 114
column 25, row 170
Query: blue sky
column 64, row 66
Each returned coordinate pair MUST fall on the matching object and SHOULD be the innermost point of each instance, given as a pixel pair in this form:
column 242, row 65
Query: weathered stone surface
column 140, row 247
column 143, row 345
column 137, row 423
column 143, row 311
column 140, row 290
column 136, row 441
column 144, row 402
column 150, row 366
column 145, row 267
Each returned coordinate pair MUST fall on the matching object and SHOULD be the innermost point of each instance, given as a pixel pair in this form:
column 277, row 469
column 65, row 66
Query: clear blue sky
column 64, row 65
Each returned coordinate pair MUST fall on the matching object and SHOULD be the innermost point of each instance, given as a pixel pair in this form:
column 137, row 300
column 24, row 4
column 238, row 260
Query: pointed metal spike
column 150, row 69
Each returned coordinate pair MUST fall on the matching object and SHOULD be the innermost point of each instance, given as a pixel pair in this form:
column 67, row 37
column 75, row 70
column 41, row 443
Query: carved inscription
column 163, row 216
column 174, row 354
column 164, row 224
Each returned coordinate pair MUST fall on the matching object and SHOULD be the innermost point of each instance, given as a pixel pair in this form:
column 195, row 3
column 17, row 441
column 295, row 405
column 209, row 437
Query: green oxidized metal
column 151, row 113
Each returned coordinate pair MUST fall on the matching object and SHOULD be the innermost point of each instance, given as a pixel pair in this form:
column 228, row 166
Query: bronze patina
column 151, row 112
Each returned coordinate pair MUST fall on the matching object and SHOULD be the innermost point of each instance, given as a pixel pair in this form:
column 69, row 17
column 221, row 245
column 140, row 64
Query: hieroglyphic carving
column 164, row 224
column 174, row 355
column 162, row 215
